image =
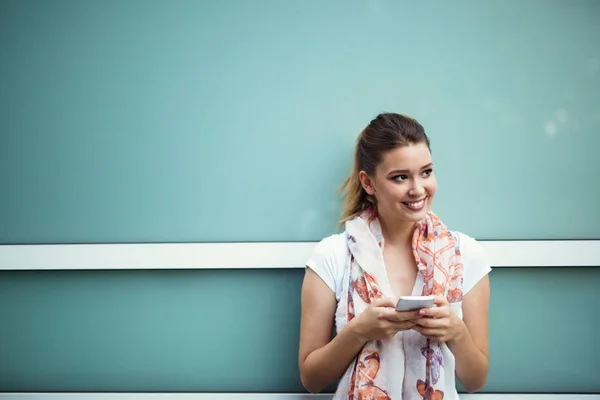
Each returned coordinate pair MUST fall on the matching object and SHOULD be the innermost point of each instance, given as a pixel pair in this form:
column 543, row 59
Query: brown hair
column 386, row 132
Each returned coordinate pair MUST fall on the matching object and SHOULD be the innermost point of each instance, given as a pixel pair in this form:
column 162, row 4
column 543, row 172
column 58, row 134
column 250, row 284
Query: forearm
column 471, row 363
column 328, row 363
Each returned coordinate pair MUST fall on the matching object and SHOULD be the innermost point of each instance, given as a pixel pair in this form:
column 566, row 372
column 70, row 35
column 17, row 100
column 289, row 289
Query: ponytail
column 355, row 198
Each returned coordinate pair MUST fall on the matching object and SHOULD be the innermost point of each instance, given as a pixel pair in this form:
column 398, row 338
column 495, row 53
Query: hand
column 381, row 321
column 440, row 322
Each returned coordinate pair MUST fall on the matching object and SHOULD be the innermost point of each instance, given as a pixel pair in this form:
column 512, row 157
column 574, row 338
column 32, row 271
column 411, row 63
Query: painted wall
column 198, row 121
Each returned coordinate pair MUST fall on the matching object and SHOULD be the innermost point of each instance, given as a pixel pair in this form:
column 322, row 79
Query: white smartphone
column 413, row 303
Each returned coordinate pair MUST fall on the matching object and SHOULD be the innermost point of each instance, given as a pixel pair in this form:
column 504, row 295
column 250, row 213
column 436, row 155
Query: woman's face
column 404, row 184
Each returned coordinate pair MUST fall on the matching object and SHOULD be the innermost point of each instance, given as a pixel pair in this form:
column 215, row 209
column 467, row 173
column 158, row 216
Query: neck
column 397, row 232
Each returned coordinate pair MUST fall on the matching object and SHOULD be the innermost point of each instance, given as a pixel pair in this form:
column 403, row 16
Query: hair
column 386, row 132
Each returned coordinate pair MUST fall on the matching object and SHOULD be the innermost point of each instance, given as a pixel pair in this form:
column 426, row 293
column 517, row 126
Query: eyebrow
column 405, row 171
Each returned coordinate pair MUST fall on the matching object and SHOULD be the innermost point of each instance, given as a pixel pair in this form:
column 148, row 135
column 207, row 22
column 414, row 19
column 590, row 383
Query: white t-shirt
column 329, row 262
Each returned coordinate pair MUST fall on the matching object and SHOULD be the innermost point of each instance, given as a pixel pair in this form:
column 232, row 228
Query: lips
column 415, row 205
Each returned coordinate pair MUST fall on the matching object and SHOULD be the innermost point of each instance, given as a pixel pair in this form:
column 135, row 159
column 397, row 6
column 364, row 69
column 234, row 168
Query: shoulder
column 469, row 247
column 475, row 261
column 332, row 245
column 328, row 260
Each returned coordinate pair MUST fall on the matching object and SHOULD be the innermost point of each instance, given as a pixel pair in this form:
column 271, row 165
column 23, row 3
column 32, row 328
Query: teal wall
column 237, row 330
column 233, row 120
column 230, row 120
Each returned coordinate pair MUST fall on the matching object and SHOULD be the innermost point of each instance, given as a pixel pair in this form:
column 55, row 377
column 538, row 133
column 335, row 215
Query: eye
column 400, row 178
column 427, row 172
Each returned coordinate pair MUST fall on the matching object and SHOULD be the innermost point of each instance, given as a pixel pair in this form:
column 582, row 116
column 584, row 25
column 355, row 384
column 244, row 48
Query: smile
column 415, row 206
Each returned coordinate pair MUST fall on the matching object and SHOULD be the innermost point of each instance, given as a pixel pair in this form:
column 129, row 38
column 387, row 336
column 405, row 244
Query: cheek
column 397, row 192
column 391, row 193
column 431, row 186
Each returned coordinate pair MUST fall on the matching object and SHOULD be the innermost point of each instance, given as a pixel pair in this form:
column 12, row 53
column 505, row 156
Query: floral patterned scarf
column 439, row 263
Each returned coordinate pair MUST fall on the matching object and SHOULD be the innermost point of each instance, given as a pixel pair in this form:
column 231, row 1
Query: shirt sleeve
column 475, row 262
column 328, row 259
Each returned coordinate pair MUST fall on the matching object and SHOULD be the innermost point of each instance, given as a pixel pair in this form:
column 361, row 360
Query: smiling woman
column 393, row 246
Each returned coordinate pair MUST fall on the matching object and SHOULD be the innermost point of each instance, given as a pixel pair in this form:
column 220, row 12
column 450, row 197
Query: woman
column 394, row 245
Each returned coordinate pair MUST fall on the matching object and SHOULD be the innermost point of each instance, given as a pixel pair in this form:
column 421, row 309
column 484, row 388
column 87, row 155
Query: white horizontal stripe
column 260, row 396
column 534, row 253
column 543, row 253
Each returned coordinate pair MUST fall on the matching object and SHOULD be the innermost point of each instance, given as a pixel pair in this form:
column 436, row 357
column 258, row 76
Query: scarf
column 438, row 261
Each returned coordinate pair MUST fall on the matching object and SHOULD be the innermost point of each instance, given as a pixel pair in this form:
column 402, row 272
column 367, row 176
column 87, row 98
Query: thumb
column 385, row 302
column 440, row 301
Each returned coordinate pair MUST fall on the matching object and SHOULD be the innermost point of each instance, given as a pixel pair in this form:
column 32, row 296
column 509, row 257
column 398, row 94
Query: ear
column 366, row 182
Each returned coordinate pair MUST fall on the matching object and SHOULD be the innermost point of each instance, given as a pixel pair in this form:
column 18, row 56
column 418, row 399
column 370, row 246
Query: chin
column 418, row 217
column 415, row 216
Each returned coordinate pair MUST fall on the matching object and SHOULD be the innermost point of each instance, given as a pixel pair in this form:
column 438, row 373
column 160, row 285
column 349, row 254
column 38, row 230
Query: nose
column 417, row 189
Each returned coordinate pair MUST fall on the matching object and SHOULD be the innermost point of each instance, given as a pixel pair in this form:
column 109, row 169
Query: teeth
column 417, row 204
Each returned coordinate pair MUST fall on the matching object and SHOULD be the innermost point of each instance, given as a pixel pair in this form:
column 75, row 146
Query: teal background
column 233, row 120
column 212, row 121
column 237, row 330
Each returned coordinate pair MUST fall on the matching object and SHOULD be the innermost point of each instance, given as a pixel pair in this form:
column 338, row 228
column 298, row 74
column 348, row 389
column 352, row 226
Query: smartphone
column 413, row 303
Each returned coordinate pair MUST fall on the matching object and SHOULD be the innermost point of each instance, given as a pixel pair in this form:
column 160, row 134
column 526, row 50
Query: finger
column 385, row 302
column 435, row 338
column 440, row 301
column 435, row 312
column 403, row 326
column 432, row 322
column 398, row 316
column 431, row 333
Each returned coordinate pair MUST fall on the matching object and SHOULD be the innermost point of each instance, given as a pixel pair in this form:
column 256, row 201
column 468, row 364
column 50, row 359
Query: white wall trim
column 526, row 253
column 261, row 396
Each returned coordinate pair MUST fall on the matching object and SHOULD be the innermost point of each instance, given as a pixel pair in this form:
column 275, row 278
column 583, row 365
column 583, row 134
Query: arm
column 470, row 347
column 467, row 339
column 322, row 360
